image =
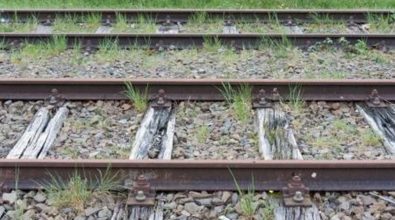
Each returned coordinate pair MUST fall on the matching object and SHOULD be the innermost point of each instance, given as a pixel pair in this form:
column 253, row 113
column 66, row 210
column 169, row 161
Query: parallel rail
column 184, row 89
column 182, row 15
column 240, row 41
column 208, row 175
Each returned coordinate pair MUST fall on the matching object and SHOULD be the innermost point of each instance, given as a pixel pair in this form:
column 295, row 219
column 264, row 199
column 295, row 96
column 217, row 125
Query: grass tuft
column 248, row 205
column 202, row 134
column 295, row 98
column 239, row 100
column 77, row 191
column 74, row 194
column 139, row 99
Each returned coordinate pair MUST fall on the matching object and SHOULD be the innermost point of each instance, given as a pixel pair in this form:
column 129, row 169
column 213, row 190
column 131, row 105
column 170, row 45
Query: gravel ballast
column 280, row 63
column 210, row 131
column 97, row 130
column 326, row 130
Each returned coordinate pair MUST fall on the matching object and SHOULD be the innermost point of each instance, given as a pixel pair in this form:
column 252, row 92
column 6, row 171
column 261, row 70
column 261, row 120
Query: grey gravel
column 334, row 131
column 210, row 131
column 210, row 63
column 350, row 206
column 97, row 130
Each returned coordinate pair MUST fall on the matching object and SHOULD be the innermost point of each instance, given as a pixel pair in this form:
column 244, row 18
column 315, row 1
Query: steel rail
column 196, row 89
column 182, row 15
column 173, row 175
column 240, row 41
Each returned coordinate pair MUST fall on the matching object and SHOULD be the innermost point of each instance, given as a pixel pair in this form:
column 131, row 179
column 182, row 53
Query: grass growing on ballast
column 202, row 134
column 139, row 99
column 295, row 102
column 78, row 191
column 197, row 4
column 53, row 47
column 239, row 100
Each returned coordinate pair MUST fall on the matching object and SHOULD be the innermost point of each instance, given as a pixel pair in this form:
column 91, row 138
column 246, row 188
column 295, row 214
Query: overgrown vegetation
column 139, row 99
column 381, row 24
column 282, row 48
column 295, row 101
column 239, row 100
column 53, row 47
column 198, row 4
column 249, row 205
column 202, row 133
column 77, row 192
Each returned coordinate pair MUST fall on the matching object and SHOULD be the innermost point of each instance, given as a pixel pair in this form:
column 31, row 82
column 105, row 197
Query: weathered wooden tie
column 39, row 135
column 154, row 139
column 382, row 121
column 276, row 138
column 31, row 134
column 277, row 141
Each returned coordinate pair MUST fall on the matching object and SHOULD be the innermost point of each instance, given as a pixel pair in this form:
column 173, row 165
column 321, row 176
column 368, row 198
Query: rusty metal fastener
column 141, row 193
column 296, row 193
column 161, row 100
column 374, row 100
column 107, row 21
column 261, row 101
column 48, row 21
column 229, row 22
column 275, row 94
column 55, row 98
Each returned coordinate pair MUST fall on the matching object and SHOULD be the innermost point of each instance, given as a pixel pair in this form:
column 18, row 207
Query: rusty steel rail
column 239, row 41
column 196, row 89
column 208, row 174
column 182, row 15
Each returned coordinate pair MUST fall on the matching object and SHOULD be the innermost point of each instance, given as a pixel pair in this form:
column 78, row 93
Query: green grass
column 281, row 49
column 109, row 50
column 239, row 100
column 295, row 101
column 74, row 194
column 212, row 45
column 370, row 138
column 18, row 26
column 202, row 134
column 198, row 4
column 381, row 24
column 143, row 24
column 139, row 99
column 325, row 24
column 73, row 24
column 77, row 191
column 53, row 47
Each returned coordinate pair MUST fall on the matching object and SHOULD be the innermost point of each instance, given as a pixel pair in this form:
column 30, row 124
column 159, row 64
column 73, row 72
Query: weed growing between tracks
column 53, row 47
column 381, row 24
column 249, row 204
column 239, row 100
column 202, row 134
column 19, row 26
column 77, row 192
column 295, row 98
column 75, row 24
column 143, row 24
column 139, row 99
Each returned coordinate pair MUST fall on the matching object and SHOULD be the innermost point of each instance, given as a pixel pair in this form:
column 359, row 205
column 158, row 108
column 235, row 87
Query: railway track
column 167, row 174
column 169, row 32
column 200, row 90
column 163, row 172
column 186, row 138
